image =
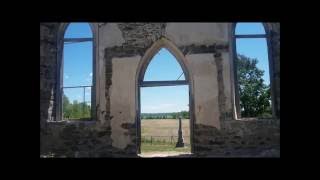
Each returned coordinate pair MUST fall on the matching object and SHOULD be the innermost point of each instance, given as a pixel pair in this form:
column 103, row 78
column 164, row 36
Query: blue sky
column 78, row 62
column 163, row 66
column 164, row 99
column 254, row 47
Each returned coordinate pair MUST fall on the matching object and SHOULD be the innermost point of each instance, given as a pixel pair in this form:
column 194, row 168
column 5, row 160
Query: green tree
column 66, row 107
column 254, row 94
column 76, row 109
column 174, row 116
column 184, row 114
column 84, row 110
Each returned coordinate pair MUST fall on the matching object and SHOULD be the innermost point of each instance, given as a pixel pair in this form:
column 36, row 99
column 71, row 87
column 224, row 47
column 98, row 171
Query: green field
column 160, row 136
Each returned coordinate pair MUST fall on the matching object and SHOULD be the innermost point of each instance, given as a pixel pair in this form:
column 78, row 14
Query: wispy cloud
column 89, row 78
column 165, row 107
column 158, row 107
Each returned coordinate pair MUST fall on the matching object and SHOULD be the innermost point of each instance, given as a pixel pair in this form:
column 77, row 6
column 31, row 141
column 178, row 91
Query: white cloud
column 166, row 107
column 158, row 108
column 89, row 78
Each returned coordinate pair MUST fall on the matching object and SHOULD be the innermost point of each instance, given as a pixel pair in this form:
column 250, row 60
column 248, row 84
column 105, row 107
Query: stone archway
column 163, row 43
column 95, row 64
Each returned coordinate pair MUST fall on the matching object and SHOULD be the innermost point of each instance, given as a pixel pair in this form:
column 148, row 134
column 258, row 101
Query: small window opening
column 77, row 72
column 253, row 78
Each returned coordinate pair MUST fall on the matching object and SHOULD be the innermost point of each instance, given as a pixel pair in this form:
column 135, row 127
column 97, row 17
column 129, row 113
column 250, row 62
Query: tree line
column 75, row 110
column 170, row 115
column 255, row 95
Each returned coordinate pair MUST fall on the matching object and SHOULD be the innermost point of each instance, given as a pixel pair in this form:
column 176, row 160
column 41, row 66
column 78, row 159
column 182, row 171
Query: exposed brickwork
column 238, row 138
column 275, row 46
column 108, row 76
column 198, row 49
column 81, row 140
column 222, row 97
column 48, row 57
column 141, row 35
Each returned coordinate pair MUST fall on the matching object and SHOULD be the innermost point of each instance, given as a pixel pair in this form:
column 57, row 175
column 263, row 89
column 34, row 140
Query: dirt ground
column 165, row 154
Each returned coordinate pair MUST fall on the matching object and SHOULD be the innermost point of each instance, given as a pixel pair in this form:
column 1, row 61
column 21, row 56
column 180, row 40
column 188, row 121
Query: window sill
column 73, row 122
column 256, row 119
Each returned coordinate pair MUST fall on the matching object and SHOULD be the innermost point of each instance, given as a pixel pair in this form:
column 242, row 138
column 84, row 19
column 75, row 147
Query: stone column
column 180, row 138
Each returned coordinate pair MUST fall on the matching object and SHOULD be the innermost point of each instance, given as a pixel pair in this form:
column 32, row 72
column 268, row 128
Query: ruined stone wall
column 254, row 137
column 48, row 58
column 275, row 53
column 83, row 139
column 239, row 138
column 121, row 46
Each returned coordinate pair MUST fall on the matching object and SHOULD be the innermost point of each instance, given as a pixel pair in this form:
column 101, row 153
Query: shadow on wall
column 48, row 53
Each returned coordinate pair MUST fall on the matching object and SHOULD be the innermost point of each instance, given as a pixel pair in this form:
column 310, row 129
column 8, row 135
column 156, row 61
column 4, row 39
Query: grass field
column 164, row 127
column 164, row 134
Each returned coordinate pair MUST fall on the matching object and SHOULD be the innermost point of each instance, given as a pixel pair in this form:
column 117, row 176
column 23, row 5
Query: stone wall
column 239, row 138
column 48, row 58
column 84, row 139
column 120, row 50
column 275, row 53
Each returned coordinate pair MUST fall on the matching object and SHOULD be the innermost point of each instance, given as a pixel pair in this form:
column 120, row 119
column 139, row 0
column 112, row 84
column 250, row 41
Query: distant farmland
column 170, row 115
column 165, row 127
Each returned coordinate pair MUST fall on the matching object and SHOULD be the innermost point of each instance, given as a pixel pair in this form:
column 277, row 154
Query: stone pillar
column 180, row 138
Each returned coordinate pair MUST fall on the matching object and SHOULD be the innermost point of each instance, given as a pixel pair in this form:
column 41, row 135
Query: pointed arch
column 162, row 43
column 59, row 71
column 141, row 70
column 163, row 67
column 234, row 78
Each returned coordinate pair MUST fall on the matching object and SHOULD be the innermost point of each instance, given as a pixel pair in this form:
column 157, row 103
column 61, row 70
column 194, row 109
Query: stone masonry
column 121, row 51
